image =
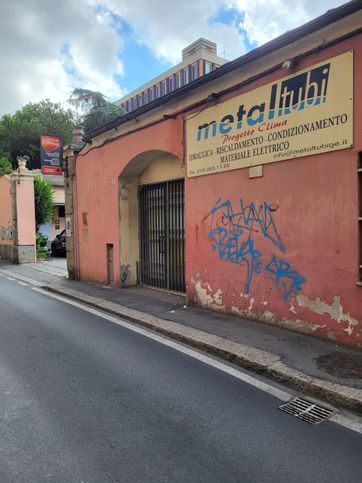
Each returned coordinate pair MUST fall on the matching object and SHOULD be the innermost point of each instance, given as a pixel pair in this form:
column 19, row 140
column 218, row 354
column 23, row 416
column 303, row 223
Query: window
column 134, row 103
column 195, row 71
column 129, row 105
column 145, row 97
column 140, row 100
column 208, row 67
column 164, row 87
column 158, row 90
column 171, row 83
column 186, row 75
column 150, row 94
column 61, row 211
column 179, row 82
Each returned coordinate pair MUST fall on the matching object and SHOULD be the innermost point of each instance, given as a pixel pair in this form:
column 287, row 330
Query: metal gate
column 163, row 235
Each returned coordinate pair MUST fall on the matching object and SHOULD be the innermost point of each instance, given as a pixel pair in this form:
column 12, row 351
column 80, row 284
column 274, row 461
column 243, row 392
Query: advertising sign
column 309, row 112
column 51, row 153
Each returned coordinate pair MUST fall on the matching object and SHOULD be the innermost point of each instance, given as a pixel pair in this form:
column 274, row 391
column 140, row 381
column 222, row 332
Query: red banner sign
column 51, row 153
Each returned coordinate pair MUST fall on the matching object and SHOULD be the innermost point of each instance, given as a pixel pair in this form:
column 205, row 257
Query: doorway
column 110, row 264
column 162, row 234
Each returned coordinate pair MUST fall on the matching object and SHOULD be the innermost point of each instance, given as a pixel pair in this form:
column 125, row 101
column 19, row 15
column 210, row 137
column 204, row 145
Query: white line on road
column 10, row 278
column 31, row 281
column 278, row 393
column 24, row 284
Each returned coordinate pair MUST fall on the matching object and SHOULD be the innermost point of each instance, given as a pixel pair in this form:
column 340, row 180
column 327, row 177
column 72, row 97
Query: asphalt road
column 85, row 400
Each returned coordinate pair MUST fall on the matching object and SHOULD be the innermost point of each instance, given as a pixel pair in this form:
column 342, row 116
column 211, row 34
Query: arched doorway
column 152, row 238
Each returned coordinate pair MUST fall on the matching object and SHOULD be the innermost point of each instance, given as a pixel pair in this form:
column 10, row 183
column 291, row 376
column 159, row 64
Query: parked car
column 58, row 246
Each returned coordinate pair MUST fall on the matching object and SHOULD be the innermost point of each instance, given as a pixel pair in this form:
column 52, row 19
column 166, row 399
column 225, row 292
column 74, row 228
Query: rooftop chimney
column 200, row 44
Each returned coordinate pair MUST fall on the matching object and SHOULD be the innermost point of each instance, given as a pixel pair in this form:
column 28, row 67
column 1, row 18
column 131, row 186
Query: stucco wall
column 308, row 237
column 305, row 227
column 17, row 217
column 26, row 212
column 97, row 193
column 6, row 219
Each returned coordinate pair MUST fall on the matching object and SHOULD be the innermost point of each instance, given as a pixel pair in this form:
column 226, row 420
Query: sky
column 50, row 47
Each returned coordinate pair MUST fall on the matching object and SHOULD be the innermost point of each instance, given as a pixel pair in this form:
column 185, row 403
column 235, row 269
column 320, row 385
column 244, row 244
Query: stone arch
column 149, row 167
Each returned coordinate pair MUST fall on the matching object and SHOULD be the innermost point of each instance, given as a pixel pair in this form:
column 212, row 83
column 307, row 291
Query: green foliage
column 41, row 243
column 43, row 198
column 20, row 133
column 97, row 110
column 99, row 116
column 85, row 99
column 5, row 165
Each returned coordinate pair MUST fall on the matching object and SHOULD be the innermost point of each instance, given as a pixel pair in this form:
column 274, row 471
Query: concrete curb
column 259, row 361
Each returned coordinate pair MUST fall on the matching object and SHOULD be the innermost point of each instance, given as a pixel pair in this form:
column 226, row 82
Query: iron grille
column 162, row 235
column 306, row 410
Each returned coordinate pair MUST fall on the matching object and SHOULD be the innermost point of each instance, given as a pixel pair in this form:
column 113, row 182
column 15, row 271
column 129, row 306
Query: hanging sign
column 51, row 154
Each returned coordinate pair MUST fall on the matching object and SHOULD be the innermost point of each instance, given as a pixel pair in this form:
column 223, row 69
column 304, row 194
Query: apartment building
column 198, row 59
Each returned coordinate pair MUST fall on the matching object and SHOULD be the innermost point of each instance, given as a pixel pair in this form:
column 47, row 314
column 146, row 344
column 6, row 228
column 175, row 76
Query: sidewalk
column 307, row 364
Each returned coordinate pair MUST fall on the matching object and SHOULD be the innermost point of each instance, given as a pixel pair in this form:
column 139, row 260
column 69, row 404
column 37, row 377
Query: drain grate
column 306, row 410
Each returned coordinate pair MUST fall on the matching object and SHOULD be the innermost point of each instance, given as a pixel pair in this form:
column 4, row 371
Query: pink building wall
column 311, row 236
column 6, row 219
column 26, row 212
column 316, row 233
column 97, row 194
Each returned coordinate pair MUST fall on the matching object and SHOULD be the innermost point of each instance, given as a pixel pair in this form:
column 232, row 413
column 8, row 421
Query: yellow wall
column 164, row 168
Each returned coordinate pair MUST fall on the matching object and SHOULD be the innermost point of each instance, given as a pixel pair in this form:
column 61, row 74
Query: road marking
column 347, row 423
column 30, row 281
column 24, row 284
column 11, row 278
column 339, row 419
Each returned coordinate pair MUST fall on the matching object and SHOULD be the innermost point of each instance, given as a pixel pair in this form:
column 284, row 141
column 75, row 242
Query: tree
column 20, row 133
column 5, row 165
column 99, row 116
column 44, row 201
column 85, row 99
column 97, row 111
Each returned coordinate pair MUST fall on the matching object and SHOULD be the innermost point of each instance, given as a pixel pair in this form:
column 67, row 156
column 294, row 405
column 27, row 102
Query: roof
column 283, row 40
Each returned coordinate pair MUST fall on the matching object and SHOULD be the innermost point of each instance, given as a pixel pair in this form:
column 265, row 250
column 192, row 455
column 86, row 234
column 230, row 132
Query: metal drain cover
column 306, row 410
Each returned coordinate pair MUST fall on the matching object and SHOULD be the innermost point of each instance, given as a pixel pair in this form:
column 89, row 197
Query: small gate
column 163, row 235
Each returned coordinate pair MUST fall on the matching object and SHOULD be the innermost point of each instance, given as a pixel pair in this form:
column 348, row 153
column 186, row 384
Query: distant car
column 58, row 246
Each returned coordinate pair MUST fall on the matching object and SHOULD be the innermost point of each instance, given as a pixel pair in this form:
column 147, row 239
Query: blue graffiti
column 232, row 232
column 232, row 248
column 248, row 219
column 285, row 277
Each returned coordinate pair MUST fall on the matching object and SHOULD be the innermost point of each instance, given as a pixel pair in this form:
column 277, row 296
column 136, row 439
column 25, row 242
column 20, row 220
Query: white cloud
column 48, row 47
column 166, row 27
column 266, row 19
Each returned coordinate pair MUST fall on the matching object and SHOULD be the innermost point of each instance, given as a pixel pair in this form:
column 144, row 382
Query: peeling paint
column 252, row 300
column 205, row 296
column 270, row 318
column 335, row 311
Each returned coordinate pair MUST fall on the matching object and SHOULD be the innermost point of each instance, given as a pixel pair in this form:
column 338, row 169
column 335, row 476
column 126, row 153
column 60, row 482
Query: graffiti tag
column 232, row 233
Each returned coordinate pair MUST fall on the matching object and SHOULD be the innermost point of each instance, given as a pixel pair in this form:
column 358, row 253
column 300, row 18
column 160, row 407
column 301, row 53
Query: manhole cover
column 306, row 410
column 342, row 365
